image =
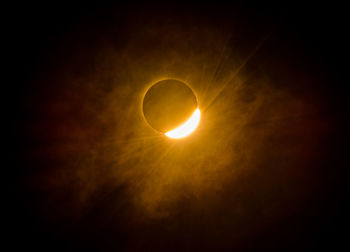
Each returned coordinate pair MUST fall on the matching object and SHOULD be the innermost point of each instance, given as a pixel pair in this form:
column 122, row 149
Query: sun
column 186, row 128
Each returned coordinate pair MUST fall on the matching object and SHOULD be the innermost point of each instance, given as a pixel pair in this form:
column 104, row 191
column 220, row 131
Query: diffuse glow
column 187, row 128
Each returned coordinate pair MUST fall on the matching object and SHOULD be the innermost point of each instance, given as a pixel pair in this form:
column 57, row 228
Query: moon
column 171, row 108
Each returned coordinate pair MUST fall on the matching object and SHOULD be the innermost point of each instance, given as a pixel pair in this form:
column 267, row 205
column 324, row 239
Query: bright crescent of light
column 187, row 128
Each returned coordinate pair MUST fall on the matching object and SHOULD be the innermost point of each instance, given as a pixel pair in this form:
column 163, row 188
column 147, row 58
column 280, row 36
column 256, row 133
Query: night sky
column 267, row 167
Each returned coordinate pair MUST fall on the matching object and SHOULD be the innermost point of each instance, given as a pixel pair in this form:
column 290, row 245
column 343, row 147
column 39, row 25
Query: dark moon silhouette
column 168, row 103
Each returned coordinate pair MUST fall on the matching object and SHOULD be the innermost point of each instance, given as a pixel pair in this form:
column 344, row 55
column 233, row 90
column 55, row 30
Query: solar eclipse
column 175, row 127
column 171, row 108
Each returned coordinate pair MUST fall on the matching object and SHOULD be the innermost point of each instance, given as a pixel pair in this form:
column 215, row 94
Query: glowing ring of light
column 186, row 128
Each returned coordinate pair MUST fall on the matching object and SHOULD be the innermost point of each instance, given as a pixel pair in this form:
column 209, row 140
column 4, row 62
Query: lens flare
column 187, row 128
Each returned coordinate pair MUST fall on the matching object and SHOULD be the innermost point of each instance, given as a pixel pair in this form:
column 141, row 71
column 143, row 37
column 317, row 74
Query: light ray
column 236, row 72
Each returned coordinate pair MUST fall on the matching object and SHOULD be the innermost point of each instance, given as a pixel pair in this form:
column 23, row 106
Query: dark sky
column 267, row 168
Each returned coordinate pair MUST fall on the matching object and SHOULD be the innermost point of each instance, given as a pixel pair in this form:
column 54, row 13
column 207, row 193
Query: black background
column 317, row 32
